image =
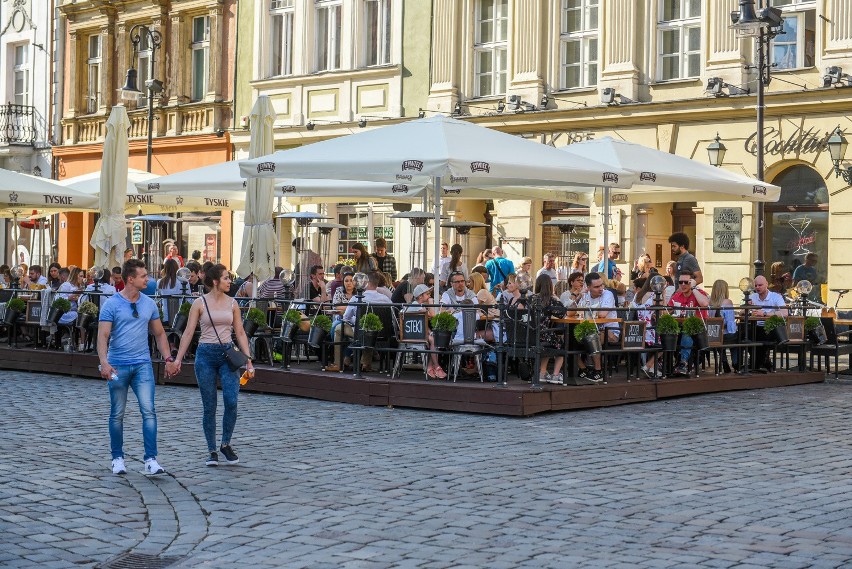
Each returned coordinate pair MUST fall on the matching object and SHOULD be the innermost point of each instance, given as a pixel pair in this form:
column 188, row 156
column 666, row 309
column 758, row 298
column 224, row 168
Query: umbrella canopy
column 659, row 175
column 110, row 234
column 461, row 153
column 149, row 203
column 23, row 193
column 258, row 250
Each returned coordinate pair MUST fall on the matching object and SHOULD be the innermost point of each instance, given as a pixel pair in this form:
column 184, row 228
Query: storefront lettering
column 799, row 142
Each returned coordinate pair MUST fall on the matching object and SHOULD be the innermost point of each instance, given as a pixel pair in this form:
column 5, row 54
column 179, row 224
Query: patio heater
column 463, row 231
column 419, row 222
column 325, row 228
column 303, row 219
column 566, row 228
column 154, row 254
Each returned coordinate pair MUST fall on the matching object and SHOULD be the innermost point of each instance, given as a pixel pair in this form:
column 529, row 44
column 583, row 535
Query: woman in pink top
column 210, row 361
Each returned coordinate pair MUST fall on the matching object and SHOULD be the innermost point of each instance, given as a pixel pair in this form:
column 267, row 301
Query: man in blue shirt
column 499, row 268
column 125, row 320
column 607, row 266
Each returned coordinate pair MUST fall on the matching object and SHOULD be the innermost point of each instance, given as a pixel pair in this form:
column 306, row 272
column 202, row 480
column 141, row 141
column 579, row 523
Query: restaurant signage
column 800, row 141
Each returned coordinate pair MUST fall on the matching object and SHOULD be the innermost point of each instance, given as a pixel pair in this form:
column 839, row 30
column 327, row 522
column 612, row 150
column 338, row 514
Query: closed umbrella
column 258, row 249
column 110, row 233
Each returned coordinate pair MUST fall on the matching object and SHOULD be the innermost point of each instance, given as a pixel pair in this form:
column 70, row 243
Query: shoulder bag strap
column 204, row 300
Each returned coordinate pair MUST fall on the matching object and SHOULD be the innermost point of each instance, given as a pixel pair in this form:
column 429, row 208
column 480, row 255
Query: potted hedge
column 182, row 317
column 444, row 327
column 586, row 333
column 14, row 308
column 86, row 312
column 815, row 330
column 667, row 330
column 254, row 319
column 370, row 326
column 777, row 327
column 59, row 307
column 319, row 328
column 694, row 326
column 289, row 323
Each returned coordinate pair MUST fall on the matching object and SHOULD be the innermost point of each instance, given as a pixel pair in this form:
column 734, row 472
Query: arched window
column 798, row 227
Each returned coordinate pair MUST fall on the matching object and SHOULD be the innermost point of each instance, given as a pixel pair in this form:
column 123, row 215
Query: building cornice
column 327, row 78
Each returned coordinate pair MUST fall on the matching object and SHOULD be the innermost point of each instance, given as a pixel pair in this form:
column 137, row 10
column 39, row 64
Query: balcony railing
column 17, row 124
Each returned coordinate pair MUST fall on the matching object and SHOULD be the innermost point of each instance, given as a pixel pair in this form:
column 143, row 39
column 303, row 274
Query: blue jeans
column 140, row 378
column 685, row 347
column 210, row 364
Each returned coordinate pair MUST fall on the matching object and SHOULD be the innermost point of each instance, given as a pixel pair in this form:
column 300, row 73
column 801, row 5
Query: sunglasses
column 135, row 311
column 683, row 282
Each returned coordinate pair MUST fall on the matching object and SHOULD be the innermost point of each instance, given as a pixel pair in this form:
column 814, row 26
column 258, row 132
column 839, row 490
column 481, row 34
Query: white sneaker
column 557, row 379
column 118, row 466
column 153, row 468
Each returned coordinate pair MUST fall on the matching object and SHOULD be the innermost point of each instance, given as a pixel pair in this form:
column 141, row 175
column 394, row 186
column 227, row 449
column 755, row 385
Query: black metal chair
column 836, row 345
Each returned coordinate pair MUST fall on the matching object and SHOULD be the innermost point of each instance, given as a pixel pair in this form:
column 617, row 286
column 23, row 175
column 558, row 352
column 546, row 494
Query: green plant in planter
column 666, row 324
column 584, row 329
column 293, row 316
column 88, row 307
column 444, row 322
column 322, row 321
column 371, row 322
column 693, row 325
column 812, row 323
column 257, row 316
column 772, row 323
column 185, row 308
column 61, row 304
column 16, row 305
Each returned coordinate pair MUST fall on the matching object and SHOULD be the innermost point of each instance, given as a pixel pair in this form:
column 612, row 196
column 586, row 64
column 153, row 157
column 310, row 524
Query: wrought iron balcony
column 17, row 124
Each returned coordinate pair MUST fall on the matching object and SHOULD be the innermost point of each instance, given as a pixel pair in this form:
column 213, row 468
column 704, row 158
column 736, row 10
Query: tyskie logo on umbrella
column 619, row 198
column 480, row 167
column 13, row 197
column 458, row 179
column 179, row 200
column 759, row 190
column 399, row 189
column 451, row 191
column 288, row 189
column 266, row 167
column 137, row 199
column 648, row 177
column 216, row 202
column 610, row 177
column 153, row 187
column 412, row 165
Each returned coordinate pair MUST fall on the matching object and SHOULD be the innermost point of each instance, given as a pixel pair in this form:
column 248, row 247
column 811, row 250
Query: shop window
column 357, row 230
column 281, row 13
column 377, row 19
column 679, row 39
column 578, row 50
column 490, row 47
column 794, row 47
column 328, row 14
column 200, row 57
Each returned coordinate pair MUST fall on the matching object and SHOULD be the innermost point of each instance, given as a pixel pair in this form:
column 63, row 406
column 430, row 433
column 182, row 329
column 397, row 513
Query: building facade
column 193, row 112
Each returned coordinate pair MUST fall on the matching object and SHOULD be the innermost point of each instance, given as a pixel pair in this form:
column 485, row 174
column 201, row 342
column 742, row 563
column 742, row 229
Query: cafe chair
column 469, row 345
column 836, row 345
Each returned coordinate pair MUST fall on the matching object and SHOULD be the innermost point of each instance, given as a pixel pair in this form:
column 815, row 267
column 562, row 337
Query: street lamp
column 837, row 145
column 763, row 25
column 716, row 151
column 131, row 91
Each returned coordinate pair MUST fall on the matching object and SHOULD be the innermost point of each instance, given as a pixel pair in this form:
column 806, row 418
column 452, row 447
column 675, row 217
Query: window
column 490, row 47
column 578, row 49
column 93, row 67
column 358, row 222
column 795, row 46
column 679, row 38
column 21, row 75
column 378, row 31
column 144, row 66
column 328, row 34
column 281, row 38
column 200, row 57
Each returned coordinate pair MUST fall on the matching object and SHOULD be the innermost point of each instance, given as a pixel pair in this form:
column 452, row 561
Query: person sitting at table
column 316, row 289
column 576, row 289
column 70, row 290
column 422, row 296
column 721, row 305
column 688, row 295
column 342, row 296
column 771, row 303
column 169, row 286
column 404, row 292
column 334, row 283
column 477, row 285
column 371, row 297
column 385, row 285
column 590, row 304
column 550, row 307
column 643, row 299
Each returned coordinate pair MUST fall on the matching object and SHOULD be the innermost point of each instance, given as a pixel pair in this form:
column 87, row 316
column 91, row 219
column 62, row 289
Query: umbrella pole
column 605, row 259
column 436, row 264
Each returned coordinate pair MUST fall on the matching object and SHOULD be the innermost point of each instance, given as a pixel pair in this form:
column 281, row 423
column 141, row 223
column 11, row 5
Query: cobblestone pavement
column 743, row 479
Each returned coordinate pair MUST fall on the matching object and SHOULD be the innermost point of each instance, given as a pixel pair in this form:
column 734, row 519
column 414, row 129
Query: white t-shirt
column 605, row 300
column 549, row 272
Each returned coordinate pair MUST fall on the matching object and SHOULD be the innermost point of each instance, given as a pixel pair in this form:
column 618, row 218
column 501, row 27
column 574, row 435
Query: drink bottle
column 247, row 375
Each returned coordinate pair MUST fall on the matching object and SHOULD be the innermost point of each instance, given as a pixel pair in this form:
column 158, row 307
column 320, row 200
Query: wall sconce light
column 37, row 171
column 610, row 97
column 716, row 151
column 362, row 122
column 715, row 86
column 501, row 106
column 457, row 109
column 310, row 125
column 544, row 101
column 514, row 102
column 421, row 114
column 837, row 145
column 834, row 76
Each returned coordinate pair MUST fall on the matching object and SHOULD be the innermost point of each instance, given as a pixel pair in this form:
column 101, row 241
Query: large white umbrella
column 451, row 152
column 110, row 234
column 20, row 192
column 149, row 203
column 258, row 251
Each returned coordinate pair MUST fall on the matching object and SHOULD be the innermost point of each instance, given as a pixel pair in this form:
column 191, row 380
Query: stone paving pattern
column 741, row 479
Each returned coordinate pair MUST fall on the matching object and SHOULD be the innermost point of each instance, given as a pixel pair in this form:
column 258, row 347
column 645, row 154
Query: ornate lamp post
column 154, row 86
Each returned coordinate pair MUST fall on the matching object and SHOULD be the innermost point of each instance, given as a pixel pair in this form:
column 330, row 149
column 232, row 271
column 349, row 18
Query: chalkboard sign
column 715, row 332
column 633, row 335
column 414, row 327
column 796, row 329
column 33, row 312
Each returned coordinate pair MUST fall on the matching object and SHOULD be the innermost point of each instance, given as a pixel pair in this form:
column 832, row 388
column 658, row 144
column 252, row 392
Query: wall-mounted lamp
column 421, row 114
column 834, row 76
column 501, row 106
column 715, row 86
column 610, row 97
column 837, row 145
column 37, row 171
column 362, row 122
column 310, row 125
column 544, row 101
column 457, row 109
column 716, row 152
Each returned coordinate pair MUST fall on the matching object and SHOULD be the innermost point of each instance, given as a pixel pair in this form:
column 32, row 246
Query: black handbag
column 236, row 359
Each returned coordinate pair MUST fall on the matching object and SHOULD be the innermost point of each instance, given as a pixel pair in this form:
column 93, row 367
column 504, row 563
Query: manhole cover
column 138, row 561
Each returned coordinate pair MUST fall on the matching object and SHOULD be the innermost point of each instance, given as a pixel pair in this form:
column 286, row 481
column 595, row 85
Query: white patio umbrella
column 20, row 192
column 451, row 152
column 258, row 251
column 110, row 234
column 148, row 203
